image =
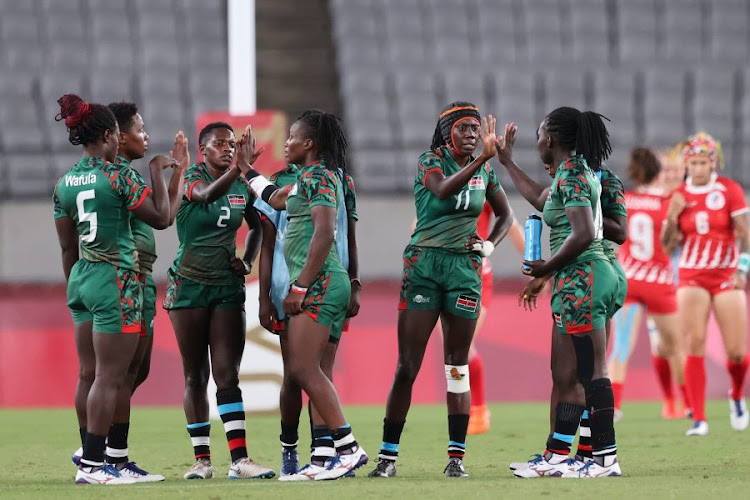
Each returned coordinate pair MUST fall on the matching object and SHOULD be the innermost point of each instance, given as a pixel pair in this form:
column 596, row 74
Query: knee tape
column 458, row 378
column 584, row 359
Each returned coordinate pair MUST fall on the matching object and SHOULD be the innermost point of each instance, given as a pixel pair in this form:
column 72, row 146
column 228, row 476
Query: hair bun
column 73, row 110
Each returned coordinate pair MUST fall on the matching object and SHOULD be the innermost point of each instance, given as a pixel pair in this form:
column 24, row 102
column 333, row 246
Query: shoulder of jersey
column 726, row 181
column 430, row 155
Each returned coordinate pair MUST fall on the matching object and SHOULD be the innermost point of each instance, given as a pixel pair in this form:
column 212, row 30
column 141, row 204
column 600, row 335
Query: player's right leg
column 86, row 373
column 694, row 306
column 668, row 361
column 730, row 308
column 627, row 322
column 290, row 407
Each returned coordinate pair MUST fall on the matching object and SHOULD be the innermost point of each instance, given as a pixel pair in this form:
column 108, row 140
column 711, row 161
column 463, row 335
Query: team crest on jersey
column 476, row 182
column 466, row 303
column 715, row 200
column 236, row 200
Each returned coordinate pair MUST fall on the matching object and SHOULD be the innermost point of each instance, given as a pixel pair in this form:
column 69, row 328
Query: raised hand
column 505, row 146
column 246, row 152
column 677, row 204
column 180, row 151
column 488, row 137
column 163, row 162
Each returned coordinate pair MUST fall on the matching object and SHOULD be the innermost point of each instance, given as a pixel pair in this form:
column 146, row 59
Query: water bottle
column 532, row 239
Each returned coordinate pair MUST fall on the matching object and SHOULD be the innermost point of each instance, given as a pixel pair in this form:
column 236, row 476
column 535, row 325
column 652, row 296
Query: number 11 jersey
column 207, row 231
column 706, row 224
column 449, row 223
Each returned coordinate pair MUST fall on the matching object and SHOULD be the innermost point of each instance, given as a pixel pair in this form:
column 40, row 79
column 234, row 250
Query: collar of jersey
column 573, row 160
column 701, row 189
column 447, row 154
column 92, row 162
column 314, row 164
column 122, row 161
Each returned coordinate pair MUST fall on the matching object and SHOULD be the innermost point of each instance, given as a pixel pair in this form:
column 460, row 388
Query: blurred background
column 659, row 69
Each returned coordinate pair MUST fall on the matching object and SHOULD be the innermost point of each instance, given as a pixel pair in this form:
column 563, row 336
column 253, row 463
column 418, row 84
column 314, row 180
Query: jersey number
column 465, row 202
column 701, row 222
column 84, row 216
column 641, row 235
column 225, row 214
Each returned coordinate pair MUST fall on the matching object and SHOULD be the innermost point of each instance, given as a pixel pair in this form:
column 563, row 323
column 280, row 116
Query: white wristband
column 485, row 248
column 258, row 184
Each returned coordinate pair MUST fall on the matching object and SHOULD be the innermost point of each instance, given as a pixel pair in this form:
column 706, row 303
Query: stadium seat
column 729, row 30
column 683, row 31
column 16, row 7
column 416, row 107
column 29, row 175
column 589, row 33
column 106, row 89
column 65, row 27
column 55, row 7
column 462, row 86
column 115, row 56
column 19, row 28
column 636, row 26
column 664, row 106
column 375, row 170
column 61, row 162
column 544, row 34
column 614, row 96
column 516, row 98
column 565, row 87
column 68, row 56
column 111, row 28
column 715, row 95
column 496, row 31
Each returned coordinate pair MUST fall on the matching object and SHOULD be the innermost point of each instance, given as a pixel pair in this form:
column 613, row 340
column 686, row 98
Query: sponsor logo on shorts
column 558, row 319
column 476, row 182
column 467, row 303
column 236, row 200
column 715, row 200
column 420, row 299
column 456, row 375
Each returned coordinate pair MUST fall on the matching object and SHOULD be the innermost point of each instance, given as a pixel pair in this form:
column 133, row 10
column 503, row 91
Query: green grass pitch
column 658, row 461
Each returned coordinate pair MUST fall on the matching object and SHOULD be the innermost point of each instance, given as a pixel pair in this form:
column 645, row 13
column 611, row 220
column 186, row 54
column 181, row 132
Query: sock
column 737, row 371
column 93, row 451
column 322, row 445
column 617, row 391
column 584, row 436
column 664, row 374
column 457, row 425
column 391, row 437
column 117, row 443
column 289, row 436
column 567, row 418
column 600, row 399
column 695, row 380
column 343, row 440
column 200, row 437
column 685, row 396
column 232, row 413
column 82, row 432
column 476, row 380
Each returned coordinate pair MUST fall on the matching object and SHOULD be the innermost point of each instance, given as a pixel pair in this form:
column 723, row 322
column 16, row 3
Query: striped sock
column 567, row 418
column 584, row 436
column 457, row 424
column 289, row 436
column 391, row 437
column 93, row 451
column 117, row 443
column 602, row 403
column 322, row 445
column 343, row 440
column 232, row 413
column 200, row 437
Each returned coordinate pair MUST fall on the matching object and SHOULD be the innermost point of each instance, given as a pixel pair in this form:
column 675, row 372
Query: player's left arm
column 350, row 200
column 180, row 153
column 253, row 240
column 68, row 238
column 743, row 245
column 615, row 228
column 615, row 220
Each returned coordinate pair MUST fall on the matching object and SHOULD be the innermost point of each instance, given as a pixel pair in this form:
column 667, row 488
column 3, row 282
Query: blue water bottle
column 532, row 239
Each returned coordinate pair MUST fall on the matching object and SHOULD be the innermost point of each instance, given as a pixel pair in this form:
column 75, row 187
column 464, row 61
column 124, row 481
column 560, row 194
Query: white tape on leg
column 457, row 377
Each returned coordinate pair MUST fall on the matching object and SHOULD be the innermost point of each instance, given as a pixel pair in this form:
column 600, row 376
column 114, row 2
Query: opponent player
column 274, row 287
column 442, row 272
column 206, row 295
column 93, row 204
column 650, row 282
column 320, row 285
column 585, row 285
column 709, row 213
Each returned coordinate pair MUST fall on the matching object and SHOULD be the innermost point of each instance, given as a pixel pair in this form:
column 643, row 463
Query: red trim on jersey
column 140, row 200
column 435, row 169
column 190, row 189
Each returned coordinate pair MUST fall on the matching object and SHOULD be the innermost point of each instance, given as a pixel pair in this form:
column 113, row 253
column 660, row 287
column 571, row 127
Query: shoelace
column 536, row 460
column 382, row 465
column 110, row 470
column 134, row 468
column 333, row 462
column 289, row 460
column 586, row 467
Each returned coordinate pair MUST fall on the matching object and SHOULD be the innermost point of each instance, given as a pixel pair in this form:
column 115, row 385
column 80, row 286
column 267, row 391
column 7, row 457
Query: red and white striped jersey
column 642, row 256
column 706, row 223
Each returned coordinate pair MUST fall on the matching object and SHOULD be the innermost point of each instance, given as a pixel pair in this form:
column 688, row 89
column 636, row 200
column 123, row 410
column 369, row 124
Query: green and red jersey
column 143, row 234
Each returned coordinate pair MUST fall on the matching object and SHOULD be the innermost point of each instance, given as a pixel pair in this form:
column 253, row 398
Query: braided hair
column 326, row 132
column 583, row 132
column 448, row 116
column 86, row 122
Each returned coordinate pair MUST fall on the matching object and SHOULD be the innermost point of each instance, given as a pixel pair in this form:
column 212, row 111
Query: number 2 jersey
column 449, row 223
column 642, row 256
column 99, row 196
column 207, row 231
column 708, row 240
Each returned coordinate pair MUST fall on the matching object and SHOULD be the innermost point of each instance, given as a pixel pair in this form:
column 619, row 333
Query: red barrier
column 38, row 362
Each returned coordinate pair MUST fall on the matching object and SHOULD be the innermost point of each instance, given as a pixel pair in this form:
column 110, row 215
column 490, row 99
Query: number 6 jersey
column 98, row 196
column 708, row 240
column 449, row 223
column 642, row 256
column 207, row 231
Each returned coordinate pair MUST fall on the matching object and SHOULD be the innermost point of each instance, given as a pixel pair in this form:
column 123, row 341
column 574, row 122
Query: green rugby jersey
column 208, row 231
column 613, row 202
column 143, row 234
column 317, row 186
column 99, row 196
column 449, row 223
column 285, row 176
column 575, row 185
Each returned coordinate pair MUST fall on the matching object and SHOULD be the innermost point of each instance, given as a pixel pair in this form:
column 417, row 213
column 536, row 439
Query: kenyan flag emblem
column 466, row 303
